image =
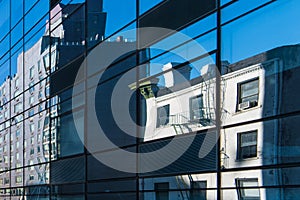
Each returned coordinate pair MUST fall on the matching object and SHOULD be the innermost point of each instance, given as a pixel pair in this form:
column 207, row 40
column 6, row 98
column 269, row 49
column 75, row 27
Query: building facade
column 244, row 145
column 225, row 95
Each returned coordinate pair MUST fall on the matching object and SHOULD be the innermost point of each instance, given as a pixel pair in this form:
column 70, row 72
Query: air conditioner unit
column 244, row 105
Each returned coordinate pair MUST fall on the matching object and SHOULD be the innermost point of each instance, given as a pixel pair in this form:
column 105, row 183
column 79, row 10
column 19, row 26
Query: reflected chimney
column 176, row 76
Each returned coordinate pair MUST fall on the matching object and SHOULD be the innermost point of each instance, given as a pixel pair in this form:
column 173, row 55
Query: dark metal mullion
column 138, row 106
column 47, row 98
column 218, row 100
column 23, row 92
column 10, row 104
column 85, row 133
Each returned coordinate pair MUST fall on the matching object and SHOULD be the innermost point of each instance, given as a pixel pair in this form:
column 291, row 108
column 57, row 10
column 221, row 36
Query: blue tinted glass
column 261, row 31
column 148, row 4
column 4, row 72
column 35, row 14
column 17, row 33
column 29, row 4
column 4, row 19
column 240, row 7
column 119, row 13
column 16, row 11
column 70, row 142
column 4, row 46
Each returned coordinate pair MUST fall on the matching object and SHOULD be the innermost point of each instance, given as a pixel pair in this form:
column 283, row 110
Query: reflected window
column 247, row 142
column 245, row 192
column 18, row 179
column 31, row 151
column 162, row 191
column 5, row 158
column 31, row 72
column 39, row 66
column 53, row 61
column 31, row 177
column 248, row 94
column 46, row 61
column 6, row 181
column 18, row 133
column 31, row 100
column 47, row 91
column 40, row 95
column 39, row 124
column 31, row 87
column 3, row 91
column 4, row 100
column 18, row 107
column 163, row 114
column 17, row 83
column 196, row 108
column 16, row 93
column 32, row 140
column 198, row 191
column 31, row 113
column 40, row 108
column 31, row 128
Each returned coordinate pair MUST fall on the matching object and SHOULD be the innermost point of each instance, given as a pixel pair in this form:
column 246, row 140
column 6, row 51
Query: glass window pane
column 119, row 13
column 5, row 17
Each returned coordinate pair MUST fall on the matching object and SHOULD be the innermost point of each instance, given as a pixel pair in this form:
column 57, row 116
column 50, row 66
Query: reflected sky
column 273, row 26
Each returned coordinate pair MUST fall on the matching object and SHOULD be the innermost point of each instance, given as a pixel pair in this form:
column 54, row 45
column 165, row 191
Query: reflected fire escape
column 201, row 116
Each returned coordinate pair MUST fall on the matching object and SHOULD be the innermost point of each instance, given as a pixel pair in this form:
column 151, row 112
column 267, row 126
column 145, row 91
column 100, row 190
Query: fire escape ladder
column 178, row 129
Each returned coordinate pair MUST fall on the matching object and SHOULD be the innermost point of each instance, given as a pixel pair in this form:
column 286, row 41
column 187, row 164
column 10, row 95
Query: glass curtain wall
column 137, row 99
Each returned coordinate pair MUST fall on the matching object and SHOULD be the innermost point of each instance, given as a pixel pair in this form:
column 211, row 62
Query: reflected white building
column 252, row 135
column 25, row 134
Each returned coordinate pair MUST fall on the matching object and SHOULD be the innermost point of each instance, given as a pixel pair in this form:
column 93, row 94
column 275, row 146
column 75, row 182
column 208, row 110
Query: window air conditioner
column 244, row 105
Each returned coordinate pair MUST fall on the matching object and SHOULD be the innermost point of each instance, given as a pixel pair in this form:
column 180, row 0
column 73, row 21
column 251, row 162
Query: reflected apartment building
column 26, row 143
column 27, row 139
column 252, row 90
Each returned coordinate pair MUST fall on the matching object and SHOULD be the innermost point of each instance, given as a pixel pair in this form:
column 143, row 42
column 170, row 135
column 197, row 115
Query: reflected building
column 254, row 130
column 29, row 122
column 25, row 133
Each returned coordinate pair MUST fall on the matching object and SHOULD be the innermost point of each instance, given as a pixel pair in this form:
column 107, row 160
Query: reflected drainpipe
column 279, row 74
